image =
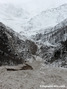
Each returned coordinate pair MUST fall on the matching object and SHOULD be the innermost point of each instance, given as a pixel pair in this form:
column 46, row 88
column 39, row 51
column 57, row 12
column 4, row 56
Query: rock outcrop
column 13, row 50
column 53, row 45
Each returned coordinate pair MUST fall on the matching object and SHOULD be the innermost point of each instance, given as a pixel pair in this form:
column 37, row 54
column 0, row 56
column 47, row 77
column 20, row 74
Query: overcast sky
column 36, row 5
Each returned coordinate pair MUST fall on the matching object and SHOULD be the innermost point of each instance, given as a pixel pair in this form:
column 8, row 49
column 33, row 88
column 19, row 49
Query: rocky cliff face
column 53, row 45
column 13, row 50
column 56, row 34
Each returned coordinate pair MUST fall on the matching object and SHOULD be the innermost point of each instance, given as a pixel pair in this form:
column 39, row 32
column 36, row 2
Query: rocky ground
column 32, row 79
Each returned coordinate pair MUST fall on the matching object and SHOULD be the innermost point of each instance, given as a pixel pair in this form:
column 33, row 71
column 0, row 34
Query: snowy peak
column 47, row 18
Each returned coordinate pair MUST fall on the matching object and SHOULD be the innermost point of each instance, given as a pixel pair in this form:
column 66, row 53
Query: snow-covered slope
column 20, row 20
column 13, row 16
column 47, row 19
column 57, row 34
column 53, row 45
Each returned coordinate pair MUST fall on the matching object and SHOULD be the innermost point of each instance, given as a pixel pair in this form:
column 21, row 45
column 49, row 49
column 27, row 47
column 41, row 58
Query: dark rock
column 26, row 67
column 13, row 50
column 32, row 47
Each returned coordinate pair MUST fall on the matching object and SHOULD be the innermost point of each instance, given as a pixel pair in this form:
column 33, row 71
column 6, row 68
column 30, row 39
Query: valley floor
column 33, row 79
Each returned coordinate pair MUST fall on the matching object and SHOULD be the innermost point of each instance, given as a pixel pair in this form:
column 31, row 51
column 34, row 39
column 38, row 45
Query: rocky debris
column 24, row 67
column 27, row 67
column 13, row 50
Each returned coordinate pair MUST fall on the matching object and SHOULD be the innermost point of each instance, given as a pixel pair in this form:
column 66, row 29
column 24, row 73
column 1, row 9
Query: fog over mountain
column 36, row 6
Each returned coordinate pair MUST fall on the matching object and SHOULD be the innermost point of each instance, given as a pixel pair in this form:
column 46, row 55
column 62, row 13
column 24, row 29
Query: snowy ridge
column 46, row 19
column 56, row 34
column 20, row 20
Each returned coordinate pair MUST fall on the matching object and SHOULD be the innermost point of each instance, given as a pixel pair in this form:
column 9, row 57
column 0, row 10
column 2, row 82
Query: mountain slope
column 53, row 45
column 20, row 20
column 47, row 19
column 13, row 16
column 14, row 50
column 56, row 34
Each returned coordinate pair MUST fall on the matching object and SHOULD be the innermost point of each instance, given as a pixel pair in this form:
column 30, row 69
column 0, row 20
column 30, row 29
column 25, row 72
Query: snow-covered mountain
column 20, row 20
column 47, row 19
column 57, row 34
column 50, row 43
column 53, row 45
column 13, row 16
